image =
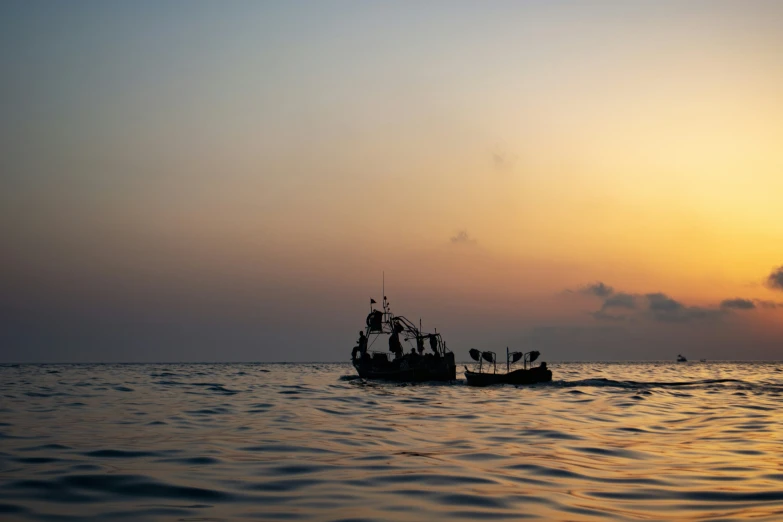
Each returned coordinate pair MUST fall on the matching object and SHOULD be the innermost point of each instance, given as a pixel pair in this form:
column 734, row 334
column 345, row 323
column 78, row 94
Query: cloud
column 698, row 312
column 660, row 302
column 738, row 304
column 620, row 300
column 462, row 238
column 598, row 289
column 623, row 306
column 775, row 279
column 603, row 316
column 666, row 309
column 502, row 160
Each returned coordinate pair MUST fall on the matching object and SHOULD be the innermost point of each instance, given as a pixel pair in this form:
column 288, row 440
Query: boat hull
column 531, row 376
column 406, row 370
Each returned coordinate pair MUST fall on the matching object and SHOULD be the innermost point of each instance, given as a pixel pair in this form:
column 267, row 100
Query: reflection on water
column 652, row 441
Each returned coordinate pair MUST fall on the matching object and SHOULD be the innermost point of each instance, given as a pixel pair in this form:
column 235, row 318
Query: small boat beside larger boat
column 523, row 375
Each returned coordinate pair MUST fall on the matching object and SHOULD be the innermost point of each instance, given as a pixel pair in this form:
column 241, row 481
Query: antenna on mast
column 383, row 292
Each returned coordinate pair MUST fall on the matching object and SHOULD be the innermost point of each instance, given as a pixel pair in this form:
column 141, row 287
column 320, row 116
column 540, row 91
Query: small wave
column 194, row 461
column 280, row 486
column 126, row 485
column 209, row 411
column 7, row 436
column 45, row 447
column 349, row 377
column 36, row 460
column 223, row 390
column 282, row 448
column 609, row 383
column 42, row 395
column 433, row 480
column 466, row 499
column 298, row 469
column 699, row 496
column 120, row 454
column 11, row 509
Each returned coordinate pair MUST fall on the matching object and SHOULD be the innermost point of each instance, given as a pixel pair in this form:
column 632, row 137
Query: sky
column 233, row 181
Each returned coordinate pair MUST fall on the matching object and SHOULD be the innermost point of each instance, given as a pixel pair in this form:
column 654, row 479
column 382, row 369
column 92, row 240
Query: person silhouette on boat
column 361, row 348
column 362, row 344
column 395, row 346
column 434, row 344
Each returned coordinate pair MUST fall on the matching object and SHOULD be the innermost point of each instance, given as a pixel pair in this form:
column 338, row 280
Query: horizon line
column 18, row 363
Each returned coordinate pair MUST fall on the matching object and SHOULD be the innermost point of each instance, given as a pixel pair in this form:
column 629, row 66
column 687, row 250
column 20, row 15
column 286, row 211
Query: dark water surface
column 647, row 441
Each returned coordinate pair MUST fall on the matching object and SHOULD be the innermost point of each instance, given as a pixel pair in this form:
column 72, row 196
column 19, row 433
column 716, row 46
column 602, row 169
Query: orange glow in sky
column 181, row 174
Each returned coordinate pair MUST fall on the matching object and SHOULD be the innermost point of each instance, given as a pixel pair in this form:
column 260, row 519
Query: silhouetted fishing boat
column 413, row 366
column 681, row 358
column 523, row 375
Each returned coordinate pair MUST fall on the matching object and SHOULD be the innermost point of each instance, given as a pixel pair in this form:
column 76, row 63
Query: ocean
column 203, row 442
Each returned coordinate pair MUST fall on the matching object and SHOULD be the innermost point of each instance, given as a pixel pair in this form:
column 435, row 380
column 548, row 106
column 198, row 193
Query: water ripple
column 654, row 441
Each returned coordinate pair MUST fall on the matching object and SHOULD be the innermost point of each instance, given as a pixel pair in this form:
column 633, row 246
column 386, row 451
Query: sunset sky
column 229, row 181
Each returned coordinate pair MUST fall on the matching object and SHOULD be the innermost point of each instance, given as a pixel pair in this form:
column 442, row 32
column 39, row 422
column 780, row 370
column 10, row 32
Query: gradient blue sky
column 228, row 181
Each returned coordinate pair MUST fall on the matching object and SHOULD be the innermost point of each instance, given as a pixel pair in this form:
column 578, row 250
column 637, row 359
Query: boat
column 680, row 358
column 522, row 375
column 411, row 366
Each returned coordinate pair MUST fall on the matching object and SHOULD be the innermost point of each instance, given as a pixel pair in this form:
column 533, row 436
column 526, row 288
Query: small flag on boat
column 372, row 301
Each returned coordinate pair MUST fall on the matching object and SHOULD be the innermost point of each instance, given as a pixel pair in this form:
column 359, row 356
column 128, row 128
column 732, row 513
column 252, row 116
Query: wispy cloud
column 658, row 306
column 620, row 300
column 665, row 309
column 738, row 304
column 462, row 238
column 601, row 315
column 775, row 279
column 502, row 160
column 660, row 302
column 598, row 289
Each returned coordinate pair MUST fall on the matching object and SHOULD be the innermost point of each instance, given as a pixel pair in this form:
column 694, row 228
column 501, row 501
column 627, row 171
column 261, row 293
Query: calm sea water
column 648, row 441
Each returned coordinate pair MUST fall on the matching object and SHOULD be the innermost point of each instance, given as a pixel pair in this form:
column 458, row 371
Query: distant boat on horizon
column 680, row 358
